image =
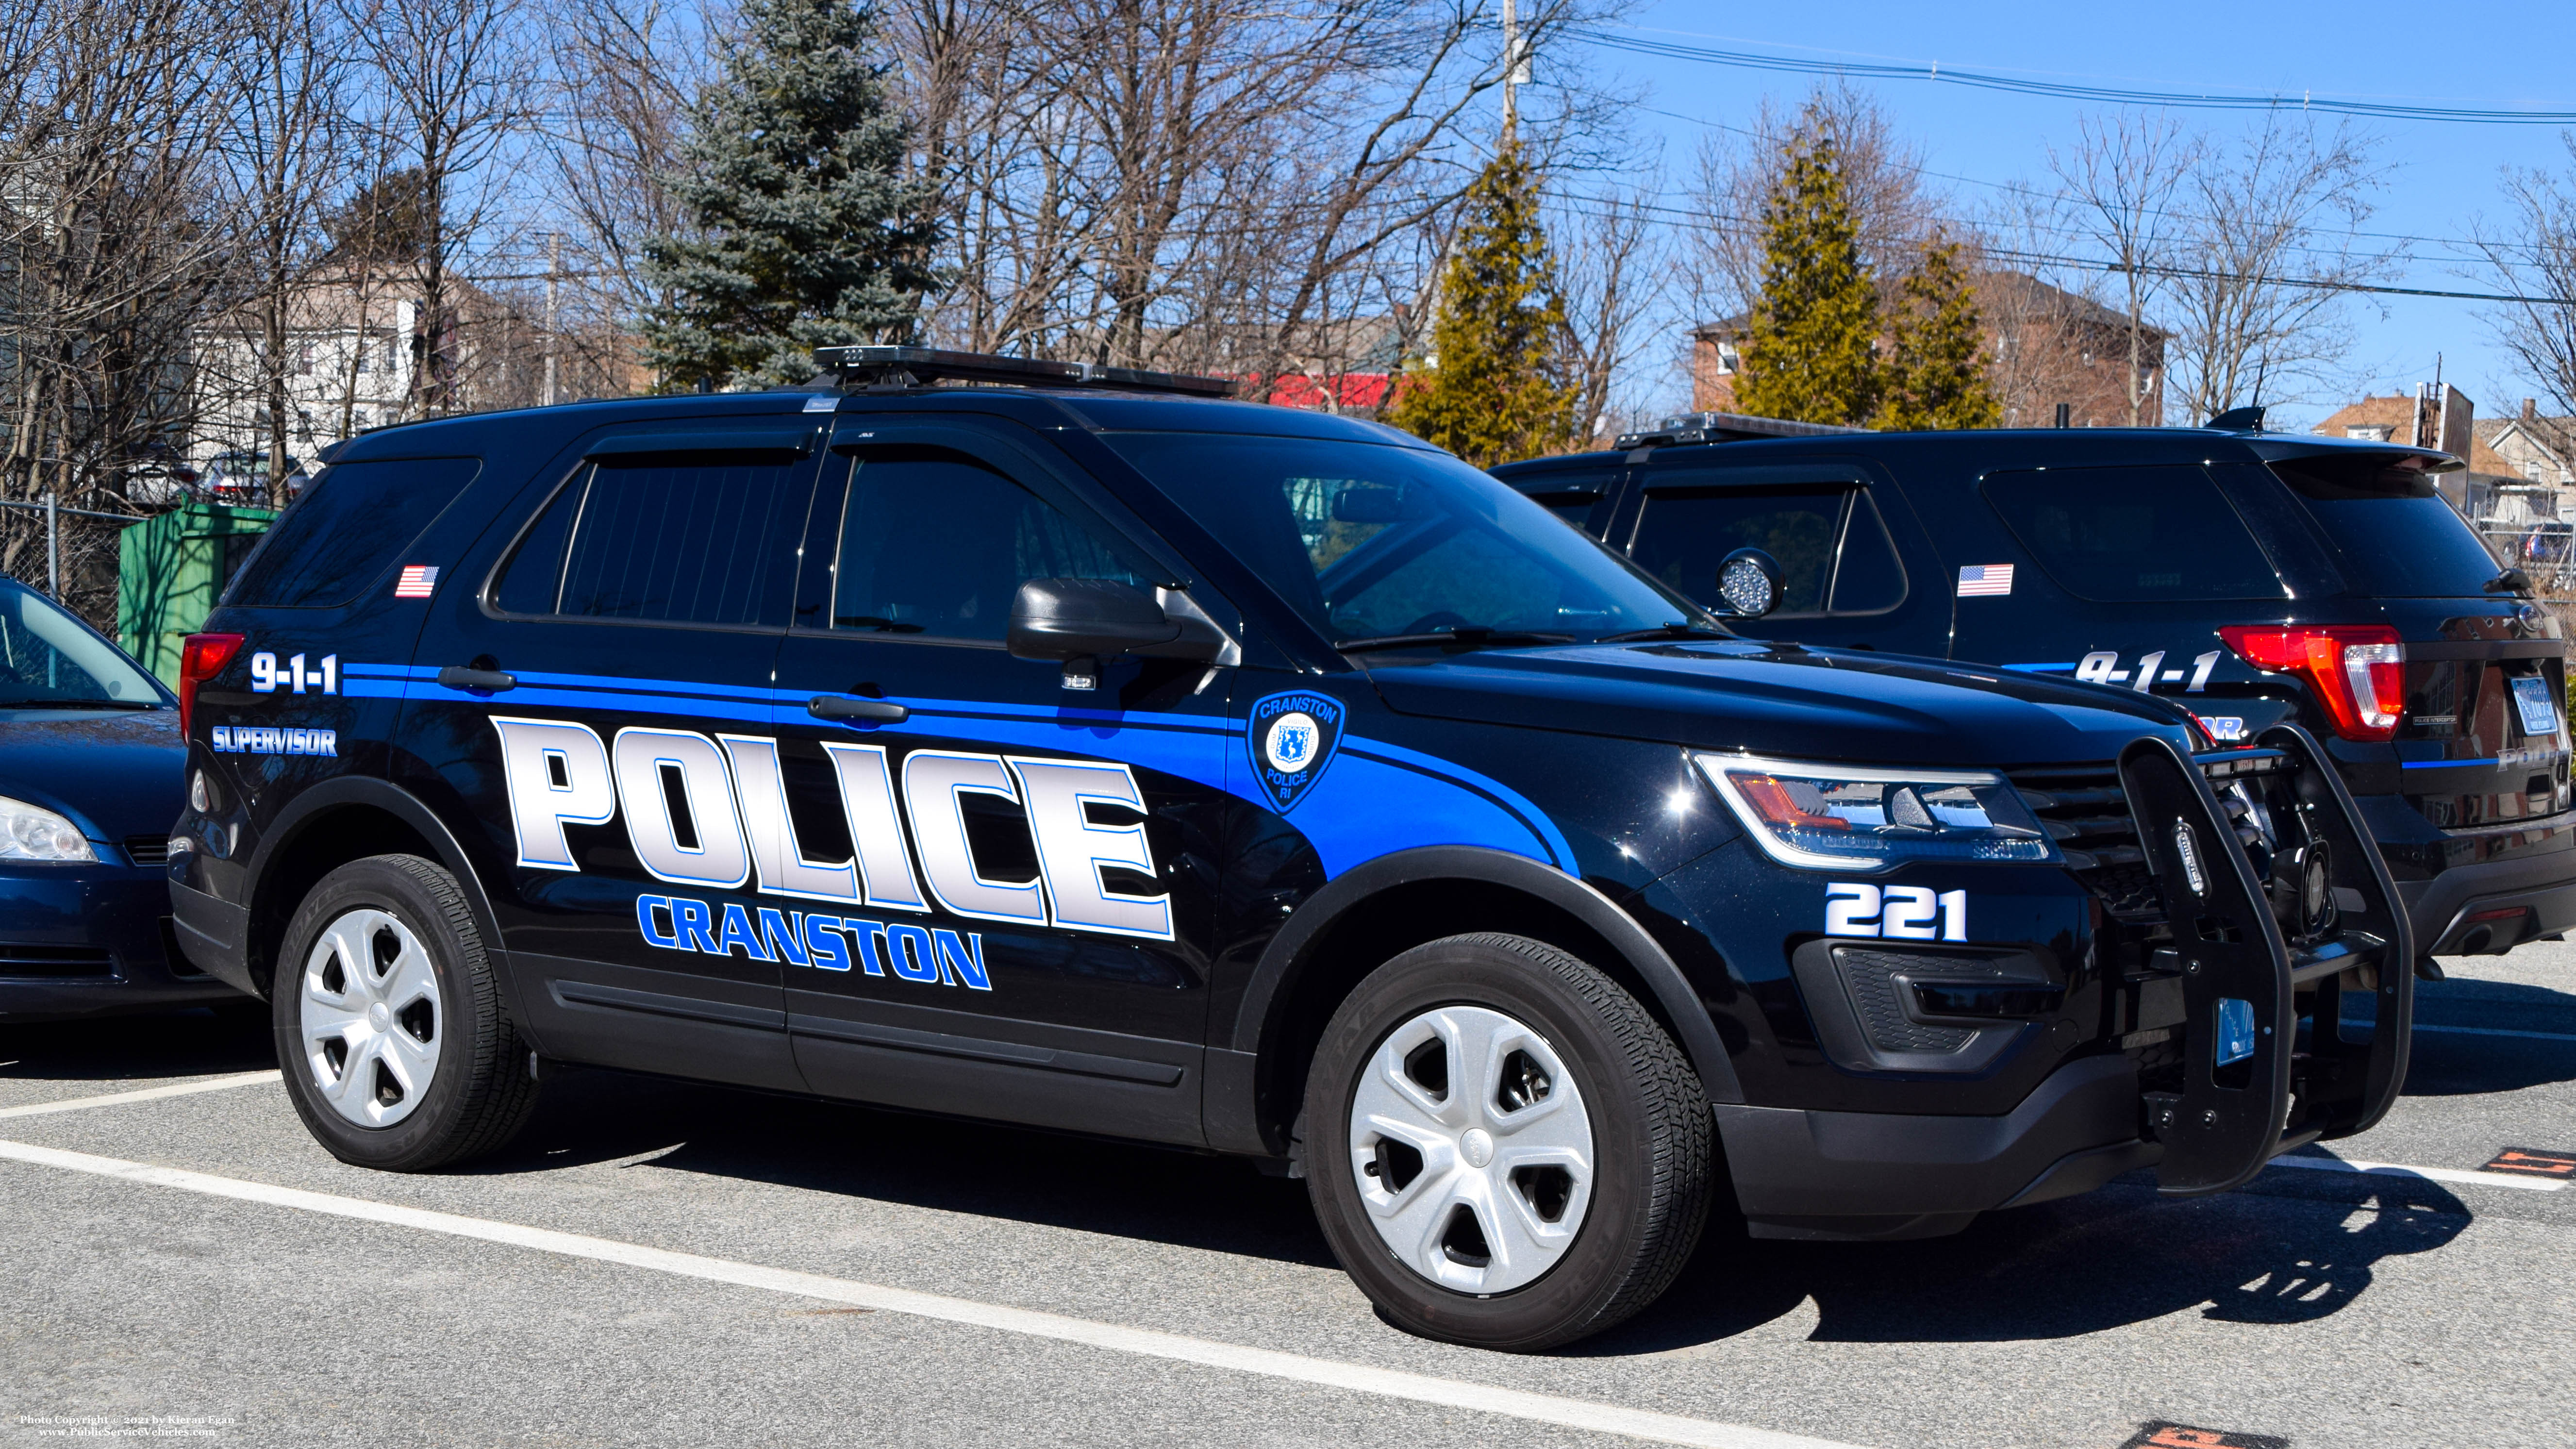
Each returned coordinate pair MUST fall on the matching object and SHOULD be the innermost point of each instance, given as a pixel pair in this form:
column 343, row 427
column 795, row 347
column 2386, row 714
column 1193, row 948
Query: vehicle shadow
column 2444, row 1064
column 197, row 1042
column 2271, row 1254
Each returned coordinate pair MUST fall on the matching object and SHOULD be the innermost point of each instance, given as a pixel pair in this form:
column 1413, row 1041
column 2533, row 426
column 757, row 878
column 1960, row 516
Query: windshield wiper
column 76, row 704
column 1674, row 630
column 1472, row 638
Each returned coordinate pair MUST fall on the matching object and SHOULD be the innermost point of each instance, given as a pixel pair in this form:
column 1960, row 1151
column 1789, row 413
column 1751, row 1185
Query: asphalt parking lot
column 656, row 1263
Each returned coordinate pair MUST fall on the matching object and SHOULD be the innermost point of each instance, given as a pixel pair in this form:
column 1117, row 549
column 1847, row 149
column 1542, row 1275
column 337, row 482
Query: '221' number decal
column 1907, row 912
column 266, row 674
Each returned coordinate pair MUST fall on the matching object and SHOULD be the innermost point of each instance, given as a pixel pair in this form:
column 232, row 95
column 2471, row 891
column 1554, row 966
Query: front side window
column 1831, row 545
column 1369, row 541
column 934, row 542
column 47, row 657
column 691, row 540
column 2133, row 535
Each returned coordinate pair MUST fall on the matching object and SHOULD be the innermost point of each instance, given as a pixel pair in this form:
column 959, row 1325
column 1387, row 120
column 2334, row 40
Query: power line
column 1637, row 44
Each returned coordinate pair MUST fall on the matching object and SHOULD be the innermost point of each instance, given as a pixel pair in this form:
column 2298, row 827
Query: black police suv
column 1089, row 754
column 2256, row 577
column 91, row 767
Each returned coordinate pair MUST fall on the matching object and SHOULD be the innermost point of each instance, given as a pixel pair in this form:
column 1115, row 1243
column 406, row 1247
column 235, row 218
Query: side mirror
column 1749, row 581
column 1086, row 618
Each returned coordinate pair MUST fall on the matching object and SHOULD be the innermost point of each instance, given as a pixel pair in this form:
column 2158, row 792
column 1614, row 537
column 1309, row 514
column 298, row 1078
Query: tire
column 402, row 1058
column 1468, row 1037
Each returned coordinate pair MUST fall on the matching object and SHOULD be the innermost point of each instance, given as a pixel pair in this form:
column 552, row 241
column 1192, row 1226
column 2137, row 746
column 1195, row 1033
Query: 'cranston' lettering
column 929, row 955
column 739, row 832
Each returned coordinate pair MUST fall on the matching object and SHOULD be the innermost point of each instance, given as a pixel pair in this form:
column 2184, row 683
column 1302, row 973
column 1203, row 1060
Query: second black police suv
column 1088, row 754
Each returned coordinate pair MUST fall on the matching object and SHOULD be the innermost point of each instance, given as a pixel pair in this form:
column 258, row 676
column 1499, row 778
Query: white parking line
column 2430, row 1174
column 1358, row 1378
column 145, row 1094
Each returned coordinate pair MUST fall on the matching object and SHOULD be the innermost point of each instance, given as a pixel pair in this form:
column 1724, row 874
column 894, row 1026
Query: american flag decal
column 1976, row 579
column 416, row 582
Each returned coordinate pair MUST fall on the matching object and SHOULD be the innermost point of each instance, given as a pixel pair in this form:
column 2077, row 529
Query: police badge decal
column 1292, row 737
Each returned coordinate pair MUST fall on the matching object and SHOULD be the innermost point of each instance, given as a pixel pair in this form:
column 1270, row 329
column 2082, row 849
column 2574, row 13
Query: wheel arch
column 1369, row 914
column 328, row 826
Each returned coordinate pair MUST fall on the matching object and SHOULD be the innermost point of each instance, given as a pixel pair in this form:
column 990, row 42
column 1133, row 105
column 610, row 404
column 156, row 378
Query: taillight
column 201, row 657
column 2357, row 670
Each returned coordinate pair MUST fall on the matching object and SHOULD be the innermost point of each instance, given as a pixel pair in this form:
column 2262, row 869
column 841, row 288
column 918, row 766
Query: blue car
column 91, row 768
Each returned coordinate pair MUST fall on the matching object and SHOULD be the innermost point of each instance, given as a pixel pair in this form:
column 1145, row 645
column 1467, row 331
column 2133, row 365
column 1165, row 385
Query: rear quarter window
column 350, row 526
column 2133, row 535
column 2397, row 537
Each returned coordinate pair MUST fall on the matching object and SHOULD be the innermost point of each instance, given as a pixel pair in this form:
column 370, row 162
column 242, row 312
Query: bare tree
column 2269, row 252
column 2120, row 179
column 2532, row 256
column 1614, row 273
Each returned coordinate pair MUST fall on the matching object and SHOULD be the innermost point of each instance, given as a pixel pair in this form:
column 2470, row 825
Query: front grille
column 2086, row 813
column 52, row 963
column 148, row 849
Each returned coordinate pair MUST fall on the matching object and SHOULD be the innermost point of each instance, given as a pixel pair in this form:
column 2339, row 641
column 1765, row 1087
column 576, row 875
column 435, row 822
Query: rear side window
column 694, row 541
column 2134, row 535
column 1831, row 545
column 2398, row 538
column 350, row 526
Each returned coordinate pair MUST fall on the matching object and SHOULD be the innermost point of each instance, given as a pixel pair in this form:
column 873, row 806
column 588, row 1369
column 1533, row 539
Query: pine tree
column 1808, row 354
column 1935, row 375
column 808, row 235
column 1489, row 390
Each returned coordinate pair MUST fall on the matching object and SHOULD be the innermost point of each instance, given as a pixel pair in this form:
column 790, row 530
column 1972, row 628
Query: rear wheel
column 389, row 1024
column 1504, row 1148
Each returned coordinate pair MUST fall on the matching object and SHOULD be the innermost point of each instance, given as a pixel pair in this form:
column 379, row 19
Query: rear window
column 2133, row 535
column 350, row 526
column 2398, row 538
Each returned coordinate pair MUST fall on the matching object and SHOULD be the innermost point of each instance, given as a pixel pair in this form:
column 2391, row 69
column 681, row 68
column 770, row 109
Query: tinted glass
column 2133, row 535
column 1682, row 536
column 1368, row 540
column 2398, row 537
column 694, row 543
column 349, row 527
column 46, row 655
column 935, row 543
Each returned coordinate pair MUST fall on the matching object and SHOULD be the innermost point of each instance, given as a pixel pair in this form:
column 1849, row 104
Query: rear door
column 572, row 703
column 1856, row 570
column 1007, row 868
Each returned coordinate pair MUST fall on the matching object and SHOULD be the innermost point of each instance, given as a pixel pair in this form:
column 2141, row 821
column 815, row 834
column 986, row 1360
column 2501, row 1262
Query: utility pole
column 53, row 546
column 1516, row 70
column 554, row 269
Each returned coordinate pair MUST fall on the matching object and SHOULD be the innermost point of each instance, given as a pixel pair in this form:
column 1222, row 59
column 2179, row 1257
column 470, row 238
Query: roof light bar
column 905, row 367
column 1725, row 428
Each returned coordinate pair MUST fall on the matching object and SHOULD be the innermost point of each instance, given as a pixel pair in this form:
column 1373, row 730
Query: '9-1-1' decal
column 1913, row 913
column 732, row 796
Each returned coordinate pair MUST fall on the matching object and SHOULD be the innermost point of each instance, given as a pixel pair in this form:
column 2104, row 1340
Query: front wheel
column 389, row 1024
column 1504, row 1148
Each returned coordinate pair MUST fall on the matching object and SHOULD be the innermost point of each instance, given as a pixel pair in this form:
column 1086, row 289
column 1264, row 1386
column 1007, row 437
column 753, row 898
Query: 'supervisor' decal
column 731, row 791
column 810, row 938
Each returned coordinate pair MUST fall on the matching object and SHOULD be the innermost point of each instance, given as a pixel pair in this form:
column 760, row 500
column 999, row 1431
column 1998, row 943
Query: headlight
column 30, row 833
column 1853, row 817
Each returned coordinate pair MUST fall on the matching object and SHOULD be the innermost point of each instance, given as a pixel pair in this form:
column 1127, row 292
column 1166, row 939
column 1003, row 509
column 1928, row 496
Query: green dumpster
column 170, row 569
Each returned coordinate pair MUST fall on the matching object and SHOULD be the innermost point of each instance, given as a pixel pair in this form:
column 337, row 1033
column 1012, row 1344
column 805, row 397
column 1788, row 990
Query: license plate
column 2539, row 711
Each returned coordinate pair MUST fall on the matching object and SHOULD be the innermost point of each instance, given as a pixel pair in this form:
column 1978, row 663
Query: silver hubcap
column 1472, row 1149
column 371, row 1018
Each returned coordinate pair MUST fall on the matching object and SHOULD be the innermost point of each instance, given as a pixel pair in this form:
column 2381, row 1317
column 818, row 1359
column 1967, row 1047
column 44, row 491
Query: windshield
column 48, row 657
column 1372, row 542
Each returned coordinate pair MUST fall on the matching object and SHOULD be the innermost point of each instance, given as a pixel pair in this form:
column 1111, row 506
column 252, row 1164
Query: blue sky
column 2442, row 175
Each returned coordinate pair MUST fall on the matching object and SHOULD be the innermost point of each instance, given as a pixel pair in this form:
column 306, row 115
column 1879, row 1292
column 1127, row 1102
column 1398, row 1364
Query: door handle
column 833, row 706
column 482, row 681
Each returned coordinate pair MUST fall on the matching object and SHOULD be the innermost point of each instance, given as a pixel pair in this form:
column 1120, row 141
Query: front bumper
column 93, row 940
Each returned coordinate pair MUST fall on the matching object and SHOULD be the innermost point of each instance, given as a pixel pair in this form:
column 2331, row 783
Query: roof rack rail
column 908, row 367
column 1725, row 428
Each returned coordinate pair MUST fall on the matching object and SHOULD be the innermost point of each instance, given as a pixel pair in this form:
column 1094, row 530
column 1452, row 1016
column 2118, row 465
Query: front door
column 576, row 703
column 1014, row 876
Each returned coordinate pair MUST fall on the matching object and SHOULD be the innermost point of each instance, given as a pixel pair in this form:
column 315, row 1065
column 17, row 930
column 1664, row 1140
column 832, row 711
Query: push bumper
column 92, row 941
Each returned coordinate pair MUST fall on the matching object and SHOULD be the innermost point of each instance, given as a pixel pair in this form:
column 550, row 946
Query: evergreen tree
column 1935, row 375
column 808, row 234
column 1808, row 354
column 1489, row 389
